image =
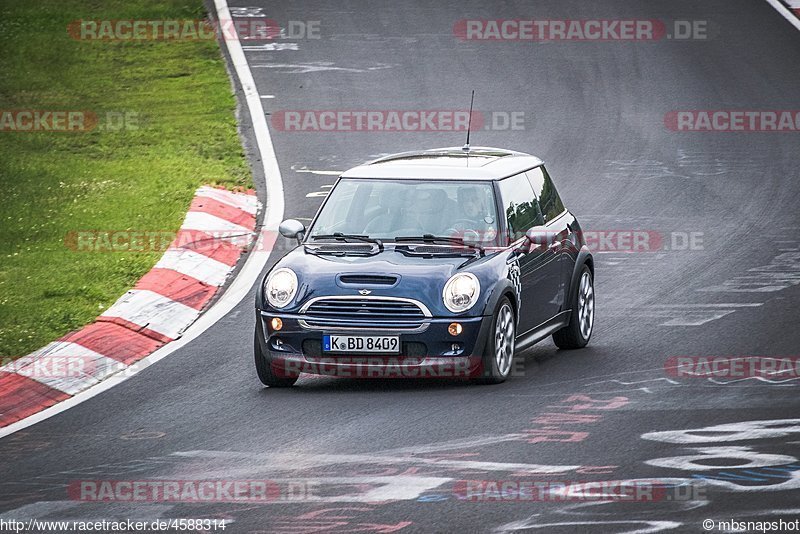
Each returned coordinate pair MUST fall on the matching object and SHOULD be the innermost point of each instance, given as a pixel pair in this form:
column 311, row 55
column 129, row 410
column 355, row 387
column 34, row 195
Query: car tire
column 498, row 356
column 264, row 369
column 581, row 321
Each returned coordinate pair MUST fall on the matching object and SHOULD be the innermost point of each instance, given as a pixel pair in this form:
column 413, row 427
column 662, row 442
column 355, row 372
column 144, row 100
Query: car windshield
column 387, row 209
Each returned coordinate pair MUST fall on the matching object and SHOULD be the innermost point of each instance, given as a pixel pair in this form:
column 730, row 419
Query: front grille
column 365, row 309
column 364, row 312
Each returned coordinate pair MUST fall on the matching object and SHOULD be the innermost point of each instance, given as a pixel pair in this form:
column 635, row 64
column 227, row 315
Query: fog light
column 276, row 323
column 455, row 329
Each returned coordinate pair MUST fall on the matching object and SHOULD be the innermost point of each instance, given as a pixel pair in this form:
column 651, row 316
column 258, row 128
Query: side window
column 520, row 205
column 549, row 200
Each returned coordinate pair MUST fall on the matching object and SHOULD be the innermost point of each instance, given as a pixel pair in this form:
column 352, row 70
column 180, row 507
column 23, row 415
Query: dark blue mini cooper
column 435, row 263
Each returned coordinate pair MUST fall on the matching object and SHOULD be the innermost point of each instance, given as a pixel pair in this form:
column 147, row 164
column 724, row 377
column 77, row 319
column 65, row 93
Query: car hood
column 417, row 277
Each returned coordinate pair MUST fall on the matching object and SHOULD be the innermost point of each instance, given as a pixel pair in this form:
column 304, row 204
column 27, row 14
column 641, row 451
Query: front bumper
column 426, row 352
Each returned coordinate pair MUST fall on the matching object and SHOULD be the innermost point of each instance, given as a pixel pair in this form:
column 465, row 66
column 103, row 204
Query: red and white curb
column 20, row 391
column 790, row 9
column 218, row 228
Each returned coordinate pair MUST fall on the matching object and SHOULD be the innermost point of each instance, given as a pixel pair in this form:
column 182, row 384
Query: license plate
column 373, row 344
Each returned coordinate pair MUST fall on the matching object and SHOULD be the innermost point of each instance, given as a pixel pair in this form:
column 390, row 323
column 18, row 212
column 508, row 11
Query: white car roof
column 451, row 163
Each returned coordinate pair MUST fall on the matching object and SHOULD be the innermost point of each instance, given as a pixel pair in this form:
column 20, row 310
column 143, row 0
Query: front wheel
column 581, row 321
column 498, row 356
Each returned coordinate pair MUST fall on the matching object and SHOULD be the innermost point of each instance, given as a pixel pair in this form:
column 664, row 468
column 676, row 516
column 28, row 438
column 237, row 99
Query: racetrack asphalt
column 594, row 111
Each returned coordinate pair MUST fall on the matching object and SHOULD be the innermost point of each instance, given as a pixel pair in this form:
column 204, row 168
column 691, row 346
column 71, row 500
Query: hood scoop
column 367, row 280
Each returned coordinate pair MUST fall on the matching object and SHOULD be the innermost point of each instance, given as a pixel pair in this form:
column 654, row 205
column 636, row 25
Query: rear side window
column 549, row 200
column 519, row 204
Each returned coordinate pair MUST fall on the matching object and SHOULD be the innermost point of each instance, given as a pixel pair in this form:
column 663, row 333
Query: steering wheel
column 465, row 224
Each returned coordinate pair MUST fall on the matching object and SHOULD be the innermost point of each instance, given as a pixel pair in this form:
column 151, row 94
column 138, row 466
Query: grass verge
column 166, row 124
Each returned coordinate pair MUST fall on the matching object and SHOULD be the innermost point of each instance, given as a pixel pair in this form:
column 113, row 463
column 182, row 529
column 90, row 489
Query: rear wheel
column 265, row 372
column 581, row 321
column 498, row 356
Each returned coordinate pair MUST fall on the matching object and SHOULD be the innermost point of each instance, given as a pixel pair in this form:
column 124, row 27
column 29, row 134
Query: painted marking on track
column 318, row 194
column 314, row 171
column 780, row 273
column 285, row 461
column 318, row 66
column 788, row 382
column 271, row 47
column 644, row 389
column 631, row 526
column 723, row 433
column 244, row 12
column 693, row 314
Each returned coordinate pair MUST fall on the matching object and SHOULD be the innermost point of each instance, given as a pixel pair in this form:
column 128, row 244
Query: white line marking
column 292, row 461
column 153, row 311
column 242, row 286
column 716, row 305
column 271, row 47
column 267, row 96
column 315, row 66
column 326, row 173
column 788, row 15
column 196, row 265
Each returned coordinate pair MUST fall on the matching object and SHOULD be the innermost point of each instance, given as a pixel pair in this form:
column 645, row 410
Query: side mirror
column 538, row 235
column 541, row 235
column 292, row 228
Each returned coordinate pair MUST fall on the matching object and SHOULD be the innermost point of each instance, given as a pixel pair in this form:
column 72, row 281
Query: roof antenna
column 465, row 148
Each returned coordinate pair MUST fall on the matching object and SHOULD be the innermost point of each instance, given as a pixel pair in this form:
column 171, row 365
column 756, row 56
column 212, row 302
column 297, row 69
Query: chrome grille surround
column 357, row 312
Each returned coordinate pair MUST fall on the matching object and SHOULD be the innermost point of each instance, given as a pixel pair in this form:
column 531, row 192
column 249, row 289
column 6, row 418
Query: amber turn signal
column 455, row 329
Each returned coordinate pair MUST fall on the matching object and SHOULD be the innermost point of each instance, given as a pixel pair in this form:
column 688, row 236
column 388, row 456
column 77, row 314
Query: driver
column 474, row 214
column 471, row 203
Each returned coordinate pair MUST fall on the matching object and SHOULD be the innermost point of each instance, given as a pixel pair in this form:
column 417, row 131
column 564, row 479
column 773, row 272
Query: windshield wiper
column 339, row 236
column 430, row 238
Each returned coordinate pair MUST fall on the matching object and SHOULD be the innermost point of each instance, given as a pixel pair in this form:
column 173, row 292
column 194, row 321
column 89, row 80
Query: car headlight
column 461, row 292
column 280, row 287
